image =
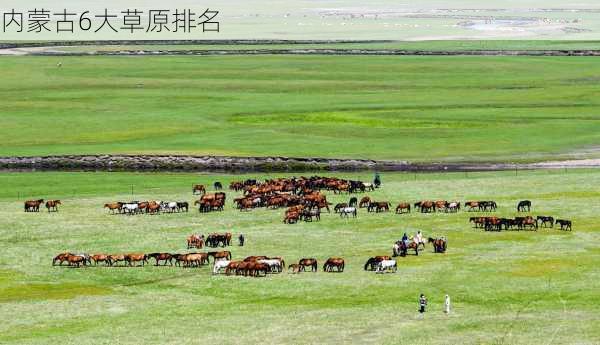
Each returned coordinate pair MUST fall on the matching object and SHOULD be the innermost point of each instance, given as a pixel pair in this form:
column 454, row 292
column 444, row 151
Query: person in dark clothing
column 377, row 180
column 241, row 239
column 422, row 303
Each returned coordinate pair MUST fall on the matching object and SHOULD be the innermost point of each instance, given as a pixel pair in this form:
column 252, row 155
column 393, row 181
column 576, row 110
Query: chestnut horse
column 130, row 259
column 403, row 207
column 332, row 263
column 198, row 188
column 100, row 258
column 52, row 205
column 439, row 244
column 312, row 263
column 166, row 257
column 62, row 257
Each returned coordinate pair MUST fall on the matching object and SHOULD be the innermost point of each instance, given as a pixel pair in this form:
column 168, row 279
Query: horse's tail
column 367, row 264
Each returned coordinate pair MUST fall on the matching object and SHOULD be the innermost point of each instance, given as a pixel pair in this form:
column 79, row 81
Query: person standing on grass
column 447, row 305
column 241, row 239
column 422, row 303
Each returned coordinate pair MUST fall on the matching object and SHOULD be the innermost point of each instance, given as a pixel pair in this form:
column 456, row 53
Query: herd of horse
column 146, row 207
column 492, row 223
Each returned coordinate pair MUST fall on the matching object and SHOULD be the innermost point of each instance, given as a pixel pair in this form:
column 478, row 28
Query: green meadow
column 421, row 109
column 506, row 288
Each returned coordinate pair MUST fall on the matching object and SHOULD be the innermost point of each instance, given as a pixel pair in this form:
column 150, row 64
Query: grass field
column 507, row 288
column 414, row 108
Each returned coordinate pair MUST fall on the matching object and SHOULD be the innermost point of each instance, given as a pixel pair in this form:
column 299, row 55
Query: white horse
column 344, row 212
column 369, row 186
column 131, row 208
column 219, row 265
column 385, row 265
column 274, row 264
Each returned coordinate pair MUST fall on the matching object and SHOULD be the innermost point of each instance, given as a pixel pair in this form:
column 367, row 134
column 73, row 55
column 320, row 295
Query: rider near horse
column 241, row 239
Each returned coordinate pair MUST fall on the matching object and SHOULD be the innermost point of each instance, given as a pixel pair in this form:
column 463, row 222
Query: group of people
column 423, row 304
column 418, row 238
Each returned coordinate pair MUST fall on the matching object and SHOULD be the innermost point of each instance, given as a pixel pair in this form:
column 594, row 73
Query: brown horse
column 331, row 263
column 62, row 257
column 225, row 254
column 291, row 218
column 198, row 188
column 114, row 258
column 114, row 206
column 166, row 257
column 99, row 258
column 232, row 267
column 427, row 206
column 33, row 205
column 195, row 241
column 439, row 244
column 403, row 207
column 195, row 259
column 311, row 262
column 130, row 259
column 401, row 248
column 52, row 205
column 364, row 202
column 76, row 260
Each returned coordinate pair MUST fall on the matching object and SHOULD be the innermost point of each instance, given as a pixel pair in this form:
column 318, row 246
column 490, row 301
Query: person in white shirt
column 447, row 305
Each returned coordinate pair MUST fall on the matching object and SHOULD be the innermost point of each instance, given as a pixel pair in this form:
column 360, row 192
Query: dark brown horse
column 331, row 263
column 439, row 244
column 166, row 257
column 52, row 205
column 308, row 262
column 364, row 202
column 564, row 224
column 401, row 248
column 33, row 205
column 76, row 260
column 403, row 207
column 371, row 264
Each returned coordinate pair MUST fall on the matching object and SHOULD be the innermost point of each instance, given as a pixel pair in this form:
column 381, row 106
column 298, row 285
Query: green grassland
column 415, row 108
column 507, row 288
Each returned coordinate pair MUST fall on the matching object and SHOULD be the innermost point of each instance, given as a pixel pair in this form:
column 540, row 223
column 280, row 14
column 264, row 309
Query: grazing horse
column 130, row 259
column 546, row 220
column 347, row 211
column 195, row 241
column 401, row 248
column 33, row 205
column 291, row 218
column 99, row 258
column 219, row 265
column 62, row 257
column 439, row 244
column 77, row 260
column 403, row 207
column 52, row 205
column 472, row 205
column 364, row 202
column 524, row 204
column 427, row 206
column 112, row 259
column 530, row 222
column 198, row 189
column 387, row 265
column 225, row 254
column 339, row 206
column 453, row 207
column 166, row 257
column 296, row 268
column 331, row 263
column 564, row 224
column 371, row 264
column 353, row 201
column 181, row 205
column 311, row 262
column 217, row 185
column 114, row 206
